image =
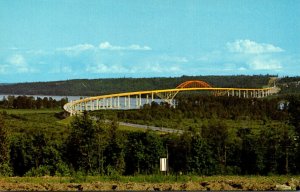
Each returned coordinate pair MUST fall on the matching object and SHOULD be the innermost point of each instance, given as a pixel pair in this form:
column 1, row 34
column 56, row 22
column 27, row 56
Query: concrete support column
column 152, row 97
column 147, row 99
column 115, row 102
column 129, row 105
column 140, row 100
column 118, row 102
column 106, row 103
column 111, row 102
column 136, row 101
column 125, row 101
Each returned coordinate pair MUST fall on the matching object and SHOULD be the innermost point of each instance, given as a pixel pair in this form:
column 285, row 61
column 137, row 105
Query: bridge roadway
column 153, row 128
column 135, row 100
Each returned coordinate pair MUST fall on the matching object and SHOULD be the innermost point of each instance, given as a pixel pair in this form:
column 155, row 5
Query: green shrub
column 5, row 170
column 62, row 169
column 42, row 170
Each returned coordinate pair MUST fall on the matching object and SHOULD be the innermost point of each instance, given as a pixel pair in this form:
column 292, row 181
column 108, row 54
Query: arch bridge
column 135, row 100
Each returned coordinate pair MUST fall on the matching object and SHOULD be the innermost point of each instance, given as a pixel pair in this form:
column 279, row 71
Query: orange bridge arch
column 194, row 84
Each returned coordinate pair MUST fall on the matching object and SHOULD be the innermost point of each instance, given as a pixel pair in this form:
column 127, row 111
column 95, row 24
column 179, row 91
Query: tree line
column 198, row 108
column 97, row 147
column 30, row 102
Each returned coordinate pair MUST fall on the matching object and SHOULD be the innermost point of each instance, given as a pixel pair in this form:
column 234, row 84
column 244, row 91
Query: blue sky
column 47, row 40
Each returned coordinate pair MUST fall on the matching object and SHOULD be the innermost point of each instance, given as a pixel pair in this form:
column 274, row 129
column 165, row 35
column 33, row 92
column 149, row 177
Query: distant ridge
column 91, row 87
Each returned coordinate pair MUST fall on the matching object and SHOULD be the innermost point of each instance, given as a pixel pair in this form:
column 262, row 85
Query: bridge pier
column 152, row 97
column 129, row 105
column 147, row 99
column 140, row 100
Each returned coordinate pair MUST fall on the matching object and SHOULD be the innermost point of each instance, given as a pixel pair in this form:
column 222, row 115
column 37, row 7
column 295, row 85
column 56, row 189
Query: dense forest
column 211, row 145
column 86, row 87
column 29, row 102
column 91, row 87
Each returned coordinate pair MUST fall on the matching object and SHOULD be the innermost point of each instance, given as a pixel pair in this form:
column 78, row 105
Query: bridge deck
column 123, row 100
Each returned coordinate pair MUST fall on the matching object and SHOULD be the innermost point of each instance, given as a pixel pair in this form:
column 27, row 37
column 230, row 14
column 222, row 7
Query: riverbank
column 150, row 183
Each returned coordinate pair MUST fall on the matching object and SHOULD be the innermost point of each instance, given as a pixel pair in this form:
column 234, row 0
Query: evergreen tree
column 201, row 160
column 4, row 150
column 81, row 143
column 114, row 151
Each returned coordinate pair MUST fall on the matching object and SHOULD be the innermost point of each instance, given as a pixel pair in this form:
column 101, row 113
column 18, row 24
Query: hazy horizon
column 61, row 40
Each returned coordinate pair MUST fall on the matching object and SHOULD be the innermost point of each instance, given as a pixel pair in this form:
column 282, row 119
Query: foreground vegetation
column 264, row 142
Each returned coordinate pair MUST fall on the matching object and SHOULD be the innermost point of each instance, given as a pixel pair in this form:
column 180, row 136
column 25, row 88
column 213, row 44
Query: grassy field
column 30, row 111
column 47, row 120
column 151, row 182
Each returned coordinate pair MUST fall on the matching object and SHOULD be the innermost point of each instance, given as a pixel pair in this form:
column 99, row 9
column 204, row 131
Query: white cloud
column 175, row 59
column 18, row 62
column 252, row 47
column 242, row 69
column 3, row 68
column 103, row 68
column 76, row 49
column 38, row 52
column 13, row 48
column 107, row 46
column 264, row 64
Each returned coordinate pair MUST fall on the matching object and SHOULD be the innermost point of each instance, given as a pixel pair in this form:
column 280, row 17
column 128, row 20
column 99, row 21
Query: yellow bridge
column 134, row 100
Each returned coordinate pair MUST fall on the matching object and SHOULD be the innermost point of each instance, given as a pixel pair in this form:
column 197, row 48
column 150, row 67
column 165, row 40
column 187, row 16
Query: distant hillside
column 86, row 87
column 289, row 85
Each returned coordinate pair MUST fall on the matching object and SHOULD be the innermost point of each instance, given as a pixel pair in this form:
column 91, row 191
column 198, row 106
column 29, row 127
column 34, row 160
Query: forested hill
column 86, row 87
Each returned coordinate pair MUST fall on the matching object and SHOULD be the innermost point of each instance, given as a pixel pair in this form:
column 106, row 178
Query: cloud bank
column 251, row 47
column 242, row 56
column 77, row 49
column 134, row 47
